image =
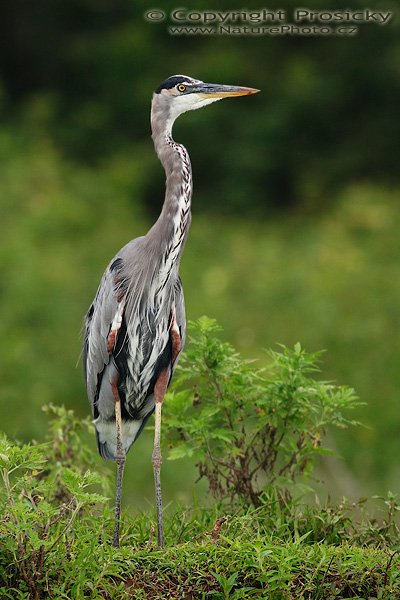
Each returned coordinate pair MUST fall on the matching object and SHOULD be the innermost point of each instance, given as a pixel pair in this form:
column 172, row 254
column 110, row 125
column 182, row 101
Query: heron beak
column 211, row 90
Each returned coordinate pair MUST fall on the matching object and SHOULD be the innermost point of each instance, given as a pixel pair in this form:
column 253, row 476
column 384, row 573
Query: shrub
column 250, row 427
column 47, row 501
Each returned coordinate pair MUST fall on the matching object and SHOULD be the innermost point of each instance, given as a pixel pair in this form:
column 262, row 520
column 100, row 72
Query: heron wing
column 99, row 320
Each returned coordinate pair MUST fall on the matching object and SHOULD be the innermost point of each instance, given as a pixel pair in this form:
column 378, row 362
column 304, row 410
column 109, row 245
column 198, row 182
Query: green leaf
column 178, row 452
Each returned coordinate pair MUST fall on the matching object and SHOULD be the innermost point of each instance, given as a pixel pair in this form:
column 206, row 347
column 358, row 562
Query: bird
column 134, row 330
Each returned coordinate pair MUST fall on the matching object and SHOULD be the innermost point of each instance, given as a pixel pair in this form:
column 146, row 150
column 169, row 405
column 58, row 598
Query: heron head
column 180, row 93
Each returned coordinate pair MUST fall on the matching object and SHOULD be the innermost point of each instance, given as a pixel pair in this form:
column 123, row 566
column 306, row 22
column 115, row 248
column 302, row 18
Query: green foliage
column 55, row 532
column 47, row 501
column 248, row 427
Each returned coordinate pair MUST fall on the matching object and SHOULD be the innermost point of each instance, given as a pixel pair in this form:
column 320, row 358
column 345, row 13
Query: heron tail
column 106, row 436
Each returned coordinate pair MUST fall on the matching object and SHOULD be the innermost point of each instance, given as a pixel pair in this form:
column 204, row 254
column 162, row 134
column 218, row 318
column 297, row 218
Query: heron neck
column 174, row 220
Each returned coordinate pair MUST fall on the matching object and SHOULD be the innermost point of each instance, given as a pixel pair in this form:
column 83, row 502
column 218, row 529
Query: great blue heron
column 135, row 327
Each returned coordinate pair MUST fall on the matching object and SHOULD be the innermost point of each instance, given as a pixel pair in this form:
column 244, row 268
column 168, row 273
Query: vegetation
column 245, row 427
column 56, row 526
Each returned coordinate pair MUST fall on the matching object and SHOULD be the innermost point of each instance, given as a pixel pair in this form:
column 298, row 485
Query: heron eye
column 181, row 87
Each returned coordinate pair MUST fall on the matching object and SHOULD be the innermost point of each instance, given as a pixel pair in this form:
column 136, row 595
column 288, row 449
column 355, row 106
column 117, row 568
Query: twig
column 388, row 566
column 151, row 536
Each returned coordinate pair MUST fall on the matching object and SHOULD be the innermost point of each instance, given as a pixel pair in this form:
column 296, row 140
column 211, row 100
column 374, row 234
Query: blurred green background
column 296, row 206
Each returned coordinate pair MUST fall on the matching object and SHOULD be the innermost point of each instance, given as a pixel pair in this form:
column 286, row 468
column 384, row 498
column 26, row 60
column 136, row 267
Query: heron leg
column 159, row 392
column 120, row 460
